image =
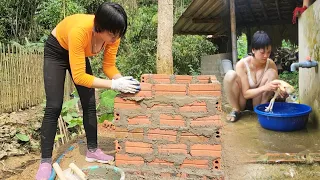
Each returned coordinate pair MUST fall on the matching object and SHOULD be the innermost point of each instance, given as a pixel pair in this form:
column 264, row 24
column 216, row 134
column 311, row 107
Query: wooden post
column 233, row 32
column 165, row 35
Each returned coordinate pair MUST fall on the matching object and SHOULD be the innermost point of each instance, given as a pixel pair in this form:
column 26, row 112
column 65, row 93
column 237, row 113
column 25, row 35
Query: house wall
column 309, row 45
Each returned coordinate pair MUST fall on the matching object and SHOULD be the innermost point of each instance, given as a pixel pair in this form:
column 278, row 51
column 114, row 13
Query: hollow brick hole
column 217, row 134
column 117, row 116
column 216, row 164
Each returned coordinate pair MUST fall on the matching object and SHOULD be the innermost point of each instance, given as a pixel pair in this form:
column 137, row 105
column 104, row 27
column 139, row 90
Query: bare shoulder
column 240, row 63
column 272, row 65
column 271, row 62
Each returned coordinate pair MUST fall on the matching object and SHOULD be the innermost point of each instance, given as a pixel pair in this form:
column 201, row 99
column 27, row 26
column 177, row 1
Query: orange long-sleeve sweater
column 74, row 34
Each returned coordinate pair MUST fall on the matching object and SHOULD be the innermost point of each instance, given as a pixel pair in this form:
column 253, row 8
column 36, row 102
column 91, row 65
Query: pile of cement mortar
column 103, row 173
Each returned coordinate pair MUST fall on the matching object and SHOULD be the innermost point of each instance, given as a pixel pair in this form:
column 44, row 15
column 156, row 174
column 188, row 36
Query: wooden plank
column 263, row 10
column 278, row 9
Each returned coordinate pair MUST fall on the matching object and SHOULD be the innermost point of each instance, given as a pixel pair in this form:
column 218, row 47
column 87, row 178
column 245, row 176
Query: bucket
column 226, row 65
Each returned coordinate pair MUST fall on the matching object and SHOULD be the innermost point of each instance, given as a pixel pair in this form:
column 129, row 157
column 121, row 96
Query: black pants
column 56, row 62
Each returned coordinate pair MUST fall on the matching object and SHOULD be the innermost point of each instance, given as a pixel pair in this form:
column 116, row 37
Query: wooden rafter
column 263, row 9
column 211, row 20
column 278, row 10
column 250, row 11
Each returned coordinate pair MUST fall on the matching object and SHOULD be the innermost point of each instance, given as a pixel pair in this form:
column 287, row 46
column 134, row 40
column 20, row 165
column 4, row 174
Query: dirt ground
column 25, row 167
column 15, row 156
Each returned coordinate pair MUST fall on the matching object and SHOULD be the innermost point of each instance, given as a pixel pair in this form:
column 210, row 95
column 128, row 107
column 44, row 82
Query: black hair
column 260, row 40
column 111, row 17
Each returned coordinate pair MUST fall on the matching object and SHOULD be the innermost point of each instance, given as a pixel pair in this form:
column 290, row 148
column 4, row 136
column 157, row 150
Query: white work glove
column 126, row 84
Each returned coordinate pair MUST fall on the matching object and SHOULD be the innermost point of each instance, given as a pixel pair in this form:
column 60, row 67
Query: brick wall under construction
column 171, row 128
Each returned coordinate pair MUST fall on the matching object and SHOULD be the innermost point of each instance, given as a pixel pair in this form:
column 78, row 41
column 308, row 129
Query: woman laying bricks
column 250, row 84
column 67, row 48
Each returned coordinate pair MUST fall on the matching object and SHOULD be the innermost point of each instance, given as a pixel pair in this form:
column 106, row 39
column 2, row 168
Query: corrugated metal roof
column 202, row 17
column 211, row 17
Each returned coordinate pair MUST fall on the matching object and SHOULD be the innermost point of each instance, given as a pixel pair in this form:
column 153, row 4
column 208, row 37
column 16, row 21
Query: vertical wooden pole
column 233, row 32
column 165, row 35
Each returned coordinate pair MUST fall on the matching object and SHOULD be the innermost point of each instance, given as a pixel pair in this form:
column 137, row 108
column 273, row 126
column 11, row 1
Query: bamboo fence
column 21, row 78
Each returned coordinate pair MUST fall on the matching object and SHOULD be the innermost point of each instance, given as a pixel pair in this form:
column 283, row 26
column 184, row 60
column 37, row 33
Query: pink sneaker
column 98, row 156
column 44, row 171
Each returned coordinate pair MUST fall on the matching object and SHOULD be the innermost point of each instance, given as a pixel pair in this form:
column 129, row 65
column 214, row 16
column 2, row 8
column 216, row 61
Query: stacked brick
column 171, row 128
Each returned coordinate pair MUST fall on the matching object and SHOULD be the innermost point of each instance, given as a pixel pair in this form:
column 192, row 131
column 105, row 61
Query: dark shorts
column 249, row 105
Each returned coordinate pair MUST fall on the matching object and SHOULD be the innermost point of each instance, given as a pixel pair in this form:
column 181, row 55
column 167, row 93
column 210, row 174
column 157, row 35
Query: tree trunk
column 165, row 35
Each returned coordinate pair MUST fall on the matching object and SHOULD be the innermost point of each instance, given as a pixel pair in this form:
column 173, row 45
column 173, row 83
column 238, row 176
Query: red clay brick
column 170, row 87
column 206, row 150
column 124, row 159
column 158, row 93
column 139, row 94
column 190, row 137
column 206, row 77
column 218, row 105
column 207, row 93
column 157, row 78
column 138, row 147
column 164, row 81
column 183, row 79
column 146, row 91
column 169, row 120
column 120, row 103
column 161, row 162
column 146, row 86
column 207, row 121
column 140, row 120
column 195, row 163
column 116, row 115
column 123, row 133
column 158, row 134
column 204, row 81
column 216, row 163
column 194, row 107
column 144, row 78
column 205, row 87
column 173, row 148
column 117, row 146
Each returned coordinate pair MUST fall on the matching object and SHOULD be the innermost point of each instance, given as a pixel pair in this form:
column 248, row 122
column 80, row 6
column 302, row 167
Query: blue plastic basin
column 284, row 116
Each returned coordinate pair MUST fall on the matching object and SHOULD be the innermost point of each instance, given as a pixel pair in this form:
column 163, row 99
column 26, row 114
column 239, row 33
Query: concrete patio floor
column 252, row 152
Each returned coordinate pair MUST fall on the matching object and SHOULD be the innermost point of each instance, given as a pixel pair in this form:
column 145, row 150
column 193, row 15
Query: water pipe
column 305, row 64
column 53, row 172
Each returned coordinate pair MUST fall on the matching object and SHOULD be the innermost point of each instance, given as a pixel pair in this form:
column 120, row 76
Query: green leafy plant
column 58, row 136
column 22, row 137
column 70, row 113
column 106, row 105
column 242, row 46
